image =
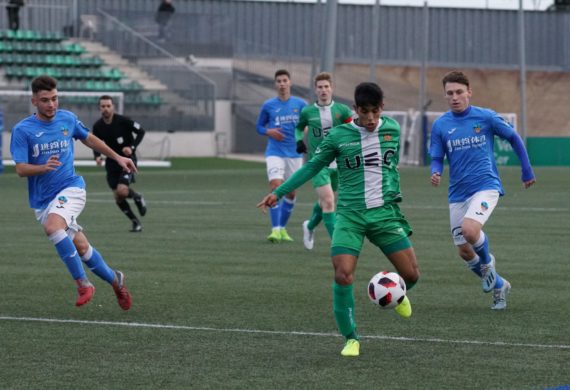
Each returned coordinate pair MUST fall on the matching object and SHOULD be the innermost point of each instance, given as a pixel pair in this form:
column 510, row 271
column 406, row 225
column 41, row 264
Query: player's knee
column 327, row 204
column 343, row 278
column 470, row 232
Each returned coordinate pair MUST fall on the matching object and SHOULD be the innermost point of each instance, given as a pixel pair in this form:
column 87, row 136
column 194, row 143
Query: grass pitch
column 215, row 306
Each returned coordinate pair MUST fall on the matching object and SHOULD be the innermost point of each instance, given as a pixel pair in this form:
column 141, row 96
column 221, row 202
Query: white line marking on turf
column 279, row 332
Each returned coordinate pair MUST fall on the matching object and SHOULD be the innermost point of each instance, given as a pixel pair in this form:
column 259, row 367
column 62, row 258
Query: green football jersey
column 320, row 120
column 367, row 165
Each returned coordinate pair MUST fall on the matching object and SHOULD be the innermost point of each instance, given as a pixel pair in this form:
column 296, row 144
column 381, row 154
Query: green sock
column 329, row 219
column 343, row 305
column 316, row 217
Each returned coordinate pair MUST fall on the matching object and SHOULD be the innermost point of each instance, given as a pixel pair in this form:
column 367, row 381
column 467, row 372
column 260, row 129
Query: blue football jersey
column 34, row 141
column 276, row 113
column 467, row 140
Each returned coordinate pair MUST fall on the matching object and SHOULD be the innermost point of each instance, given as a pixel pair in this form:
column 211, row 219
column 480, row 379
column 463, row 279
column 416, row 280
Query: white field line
column 283, row 333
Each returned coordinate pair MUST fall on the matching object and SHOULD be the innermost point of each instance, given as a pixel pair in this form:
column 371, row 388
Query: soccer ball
column 387, row 289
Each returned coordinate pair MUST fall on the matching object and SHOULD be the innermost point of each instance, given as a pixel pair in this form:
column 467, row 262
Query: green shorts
column 386, row 227
column 326, row 176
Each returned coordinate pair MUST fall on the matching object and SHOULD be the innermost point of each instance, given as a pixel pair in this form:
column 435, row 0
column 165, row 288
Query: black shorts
column 116, row 175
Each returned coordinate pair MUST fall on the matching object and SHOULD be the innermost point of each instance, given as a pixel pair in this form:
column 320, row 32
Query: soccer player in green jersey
column 319, row 118
column 367, row 153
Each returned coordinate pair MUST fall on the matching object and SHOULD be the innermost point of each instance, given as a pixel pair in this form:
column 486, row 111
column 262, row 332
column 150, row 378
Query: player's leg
column 346, row 245
column 389, row 230
column 478, row 210
column 116, row 181
column 343, row 301
column 95, row 262
column 138, row 198
column 288, row 202
column 275, row 174
column 327, row 202
column 56, row 219
column 469, row 215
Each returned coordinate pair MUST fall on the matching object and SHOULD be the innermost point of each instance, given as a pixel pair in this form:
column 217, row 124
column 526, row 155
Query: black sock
column 133, row 194
column 126, row 209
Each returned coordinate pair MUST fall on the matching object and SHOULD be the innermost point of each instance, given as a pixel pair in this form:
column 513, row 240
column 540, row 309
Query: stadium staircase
column 78, row 65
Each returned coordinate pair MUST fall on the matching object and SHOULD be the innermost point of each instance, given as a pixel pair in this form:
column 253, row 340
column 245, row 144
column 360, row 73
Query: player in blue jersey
column 465, row 135
column 42, row 146
column 277, row 121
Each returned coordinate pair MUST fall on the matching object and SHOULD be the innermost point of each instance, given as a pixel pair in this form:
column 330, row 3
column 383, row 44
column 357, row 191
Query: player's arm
column 323, row 157
column 139, row 132
column 97, row 144
column 347, row 114
column 261, row 126
column 96, row 155
column 25, row 169
column 300, row 133
column 506, row 131
column 437, row 154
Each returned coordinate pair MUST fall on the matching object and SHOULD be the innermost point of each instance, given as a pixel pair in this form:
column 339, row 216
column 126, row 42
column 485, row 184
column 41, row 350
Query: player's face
column 46, row 103
column 106, row 107
column 283, row 85
column 369, row 116
column 324, row 91
column 457, row 96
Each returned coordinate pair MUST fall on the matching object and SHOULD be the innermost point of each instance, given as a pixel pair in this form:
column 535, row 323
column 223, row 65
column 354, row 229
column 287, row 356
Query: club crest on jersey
column 387, row 137
column 64, row 131
column 477, row 128
column 61, row 200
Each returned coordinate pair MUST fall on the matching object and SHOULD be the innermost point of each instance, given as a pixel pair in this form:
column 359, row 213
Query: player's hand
column 99, row 161
column 276, row 134
column 270, row 200
column 435, row 179
column 127, row 164
column 301, row 147
column 127, row 151
column 52, row 163
column 528, row 183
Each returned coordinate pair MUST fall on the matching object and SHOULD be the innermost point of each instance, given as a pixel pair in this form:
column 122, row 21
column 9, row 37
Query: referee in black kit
column 117, row 132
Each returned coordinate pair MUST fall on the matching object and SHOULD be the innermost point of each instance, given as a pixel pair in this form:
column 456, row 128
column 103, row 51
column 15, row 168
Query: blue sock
column 275, row 216
column 286, row 210
column 481, row 247
column 68, row 254
column 475, row 266
column 93, row 259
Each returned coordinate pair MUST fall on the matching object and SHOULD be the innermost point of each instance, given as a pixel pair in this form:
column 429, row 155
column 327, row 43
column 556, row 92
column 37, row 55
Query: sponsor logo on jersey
column 39, row 134
column 452, row 130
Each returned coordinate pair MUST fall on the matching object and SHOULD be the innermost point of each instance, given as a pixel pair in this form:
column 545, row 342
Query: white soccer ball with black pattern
column 387, row 289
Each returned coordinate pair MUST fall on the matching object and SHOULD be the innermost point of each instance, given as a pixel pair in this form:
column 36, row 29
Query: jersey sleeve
column 501, row 126
column 300, row 127
column 19, row 146
column 436, row 149
column 262, row 120
column 96, row 133
column 80, row 131
column 137, row 129
column 346, row 114
column 505, row 130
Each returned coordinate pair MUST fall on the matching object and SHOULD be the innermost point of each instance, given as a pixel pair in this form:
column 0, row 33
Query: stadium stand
column 25, row 54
